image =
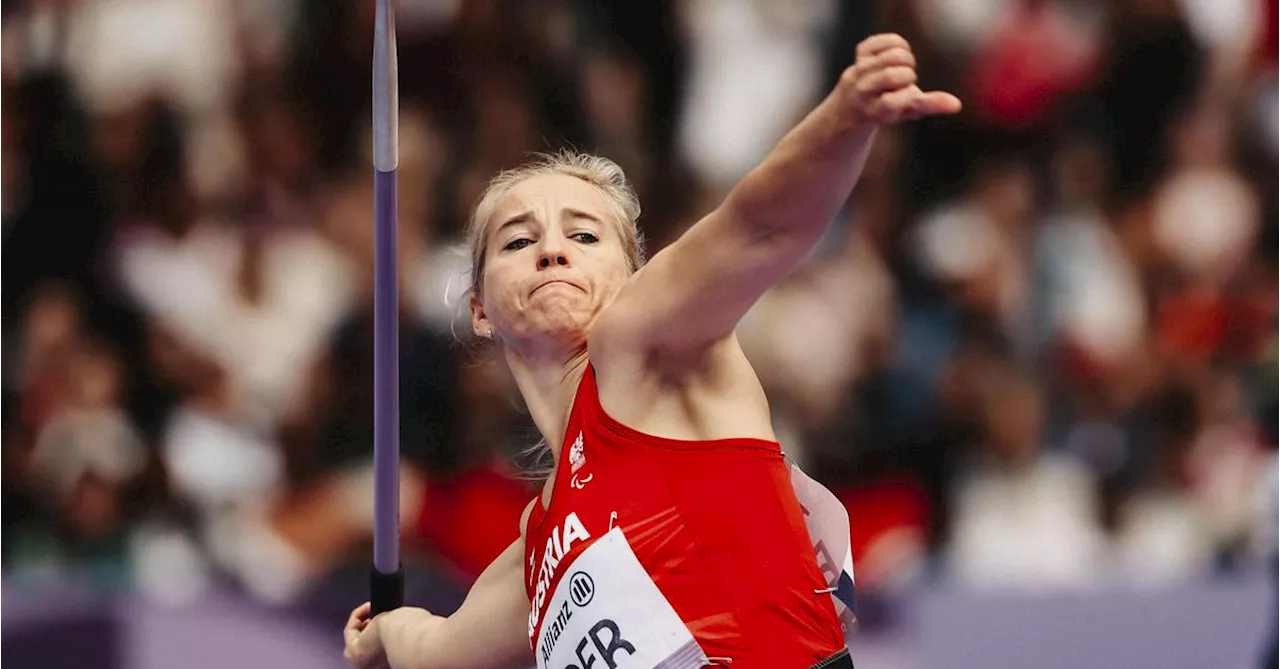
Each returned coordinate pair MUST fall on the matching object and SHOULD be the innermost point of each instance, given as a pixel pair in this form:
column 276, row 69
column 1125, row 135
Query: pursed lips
column 554, row 282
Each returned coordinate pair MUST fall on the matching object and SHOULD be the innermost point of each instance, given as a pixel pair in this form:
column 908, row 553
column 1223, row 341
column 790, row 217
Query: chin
column 553, row 320
column 567, row 332
column 558, row 313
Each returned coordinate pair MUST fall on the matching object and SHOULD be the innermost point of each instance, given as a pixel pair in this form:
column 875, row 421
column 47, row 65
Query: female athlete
column 669, row 534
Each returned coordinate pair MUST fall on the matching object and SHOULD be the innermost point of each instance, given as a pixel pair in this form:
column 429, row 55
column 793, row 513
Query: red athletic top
column 715, row 524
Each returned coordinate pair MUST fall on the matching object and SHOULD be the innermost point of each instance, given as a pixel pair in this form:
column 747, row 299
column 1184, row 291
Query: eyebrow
column 578, row 213
column 527, row 216
column 518, row 219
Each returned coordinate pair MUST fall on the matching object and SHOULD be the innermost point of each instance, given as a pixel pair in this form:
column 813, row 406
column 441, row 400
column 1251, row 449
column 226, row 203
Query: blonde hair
column 595, row 170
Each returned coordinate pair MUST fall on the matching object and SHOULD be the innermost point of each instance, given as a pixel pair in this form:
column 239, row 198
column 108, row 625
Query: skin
column 556, row 290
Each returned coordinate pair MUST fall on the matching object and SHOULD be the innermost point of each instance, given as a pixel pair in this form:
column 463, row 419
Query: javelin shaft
column 387, row 586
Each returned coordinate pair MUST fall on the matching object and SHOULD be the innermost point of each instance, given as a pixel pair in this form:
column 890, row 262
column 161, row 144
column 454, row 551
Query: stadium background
column 1035, row 356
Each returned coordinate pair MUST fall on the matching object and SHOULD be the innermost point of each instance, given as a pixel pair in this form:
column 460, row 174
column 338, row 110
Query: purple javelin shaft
column 386, row 349
column 386, row 419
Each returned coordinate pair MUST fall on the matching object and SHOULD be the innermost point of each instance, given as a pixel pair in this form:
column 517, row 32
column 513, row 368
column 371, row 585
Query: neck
column 548, row 382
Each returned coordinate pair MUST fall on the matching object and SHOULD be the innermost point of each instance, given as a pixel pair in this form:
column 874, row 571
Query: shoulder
column 640, row 319
column 622, row 341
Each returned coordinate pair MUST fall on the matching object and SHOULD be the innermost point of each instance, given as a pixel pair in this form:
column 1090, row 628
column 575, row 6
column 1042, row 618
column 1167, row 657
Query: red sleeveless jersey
column 714, row 524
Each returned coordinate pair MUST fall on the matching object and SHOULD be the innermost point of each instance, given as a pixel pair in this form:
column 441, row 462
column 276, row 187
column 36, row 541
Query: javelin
column 386, row 587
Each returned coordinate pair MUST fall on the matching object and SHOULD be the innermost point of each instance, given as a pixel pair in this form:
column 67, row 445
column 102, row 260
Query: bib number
column 606, row 613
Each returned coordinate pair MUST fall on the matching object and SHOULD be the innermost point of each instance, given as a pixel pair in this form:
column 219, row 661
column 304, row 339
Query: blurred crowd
column 1036, row 350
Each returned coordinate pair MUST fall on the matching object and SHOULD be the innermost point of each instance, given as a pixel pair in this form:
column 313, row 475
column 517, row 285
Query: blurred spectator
column 754, row 70
column 83, row 476
column 1088, row 291
column 1024, row 517
column 1024, row 66
column 976, row 246
column 1154, row 69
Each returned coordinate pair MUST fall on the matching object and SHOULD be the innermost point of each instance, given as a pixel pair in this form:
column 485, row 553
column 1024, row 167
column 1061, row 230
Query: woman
column 669, row 533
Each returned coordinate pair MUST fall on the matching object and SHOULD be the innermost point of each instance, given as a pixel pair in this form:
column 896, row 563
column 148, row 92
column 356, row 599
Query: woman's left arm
column 693, row 293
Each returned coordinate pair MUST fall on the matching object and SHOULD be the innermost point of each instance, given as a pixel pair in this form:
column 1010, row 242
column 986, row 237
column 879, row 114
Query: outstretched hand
column 880, row 87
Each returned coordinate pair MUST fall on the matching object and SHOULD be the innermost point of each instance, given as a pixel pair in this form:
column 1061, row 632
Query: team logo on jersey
column 582, row 589
column 576, row 456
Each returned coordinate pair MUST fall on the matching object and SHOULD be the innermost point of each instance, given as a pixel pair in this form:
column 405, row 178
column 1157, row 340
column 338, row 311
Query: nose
column 547, row 260
column 551, row 253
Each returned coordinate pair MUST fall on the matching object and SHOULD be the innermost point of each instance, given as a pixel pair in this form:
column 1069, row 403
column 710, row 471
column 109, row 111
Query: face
column 553, row 261
column 1014, row 422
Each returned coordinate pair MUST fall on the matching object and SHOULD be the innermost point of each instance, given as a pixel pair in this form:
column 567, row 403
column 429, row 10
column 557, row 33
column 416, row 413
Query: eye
column 585, row 237
column 516, row 244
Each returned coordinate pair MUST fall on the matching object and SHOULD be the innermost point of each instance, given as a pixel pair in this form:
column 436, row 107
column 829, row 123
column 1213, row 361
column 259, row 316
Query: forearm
column 808, row 176
column 488, row 631
column 411, row 639
column 424, row 641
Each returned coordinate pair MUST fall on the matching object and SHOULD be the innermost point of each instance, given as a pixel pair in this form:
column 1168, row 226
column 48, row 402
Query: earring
column 488, row 334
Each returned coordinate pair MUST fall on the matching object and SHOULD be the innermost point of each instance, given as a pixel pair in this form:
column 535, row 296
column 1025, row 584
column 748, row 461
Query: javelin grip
column 386, row 591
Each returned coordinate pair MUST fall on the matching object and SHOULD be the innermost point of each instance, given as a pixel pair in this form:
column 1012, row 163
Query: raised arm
column 693, row 293
column 488, row 631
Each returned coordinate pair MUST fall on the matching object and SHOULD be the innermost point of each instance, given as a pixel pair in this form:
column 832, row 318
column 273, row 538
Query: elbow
column 753, row 223
column 776, row 242
column 749, row 211
column 760, row 213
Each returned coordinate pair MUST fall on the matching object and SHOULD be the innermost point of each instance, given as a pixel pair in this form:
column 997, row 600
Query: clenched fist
column 363, row 647
column 881, row 87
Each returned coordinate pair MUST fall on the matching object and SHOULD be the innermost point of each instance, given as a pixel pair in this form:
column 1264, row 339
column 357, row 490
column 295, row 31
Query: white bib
column 606, row 613
column 828, row 523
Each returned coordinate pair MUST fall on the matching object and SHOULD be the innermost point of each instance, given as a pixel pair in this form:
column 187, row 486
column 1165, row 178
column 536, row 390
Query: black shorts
column 840, row 660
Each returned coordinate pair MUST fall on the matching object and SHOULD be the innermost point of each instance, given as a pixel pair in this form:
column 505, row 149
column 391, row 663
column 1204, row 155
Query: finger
column 883, row 42
column 891, row 79
column 358, row 614
column 895, row 105
column 936, row 103
column 896, row 56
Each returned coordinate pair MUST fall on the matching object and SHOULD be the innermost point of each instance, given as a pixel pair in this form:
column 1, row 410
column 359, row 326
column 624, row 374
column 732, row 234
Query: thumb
column 936, row 103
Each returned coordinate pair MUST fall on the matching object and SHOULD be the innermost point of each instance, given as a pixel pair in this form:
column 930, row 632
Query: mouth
column 554, row 282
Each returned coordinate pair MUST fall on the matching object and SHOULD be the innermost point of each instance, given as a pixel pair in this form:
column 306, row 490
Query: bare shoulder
column 710, row 393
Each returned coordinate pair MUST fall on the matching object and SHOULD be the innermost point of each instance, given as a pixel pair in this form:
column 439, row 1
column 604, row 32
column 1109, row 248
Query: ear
column 480, row 324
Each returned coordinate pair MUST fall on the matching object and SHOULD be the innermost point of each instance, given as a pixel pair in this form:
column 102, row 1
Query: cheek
column 506, row 303
column 499, row 293
column 500, row 289
column 620, row 278
column 620, row 273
